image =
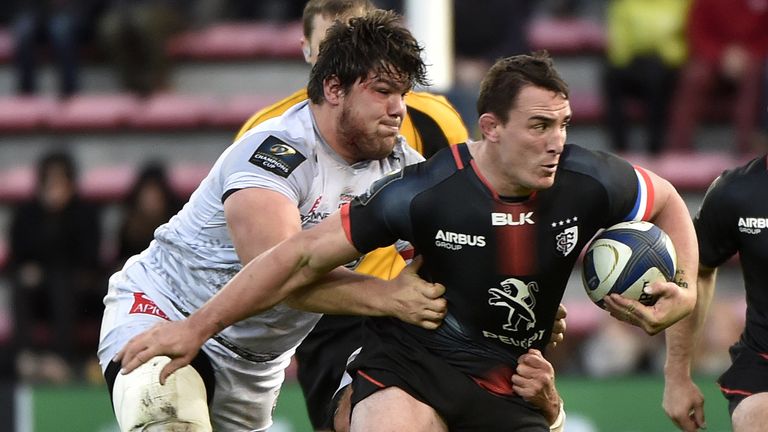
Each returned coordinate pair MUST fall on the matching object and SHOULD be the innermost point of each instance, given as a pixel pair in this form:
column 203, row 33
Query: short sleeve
column 379, row 217
column 267, row 161
column 717, row 239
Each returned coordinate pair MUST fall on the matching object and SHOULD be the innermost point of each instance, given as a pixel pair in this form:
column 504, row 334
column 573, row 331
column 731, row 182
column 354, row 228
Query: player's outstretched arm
column 407, row 297
column 262, row 283
column 683, row 401
column 675, row 300
column 297, row 262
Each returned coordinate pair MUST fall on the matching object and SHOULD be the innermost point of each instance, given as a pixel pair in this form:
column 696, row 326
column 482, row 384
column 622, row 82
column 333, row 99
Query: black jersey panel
column 609, row 171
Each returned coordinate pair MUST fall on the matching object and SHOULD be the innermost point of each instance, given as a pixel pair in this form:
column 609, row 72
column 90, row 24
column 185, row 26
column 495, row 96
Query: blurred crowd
column 59, row 261
column 668, row 66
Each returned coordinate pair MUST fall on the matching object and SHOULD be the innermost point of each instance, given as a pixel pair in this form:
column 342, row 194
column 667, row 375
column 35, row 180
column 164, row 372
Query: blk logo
column 501, row 219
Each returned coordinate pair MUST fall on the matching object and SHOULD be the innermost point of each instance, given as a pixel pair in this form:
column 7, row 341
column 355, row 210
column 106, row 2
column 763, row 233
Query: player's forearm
column 343, row 292
column 683, row 337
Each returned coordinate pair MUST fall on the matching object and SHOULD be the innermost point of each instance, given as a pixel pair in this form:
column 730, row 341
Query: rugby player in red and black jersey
column 733, row 219
column 498, row 222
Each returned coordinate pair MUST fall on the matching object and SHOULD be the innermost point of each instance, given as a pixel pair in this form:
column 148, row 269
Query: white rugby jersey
column 193, row 257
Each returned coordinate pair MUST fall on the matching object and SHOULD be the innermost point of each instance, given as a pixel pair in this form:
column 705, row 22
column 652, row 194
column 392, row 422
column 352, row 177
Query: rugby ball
column 626, row 257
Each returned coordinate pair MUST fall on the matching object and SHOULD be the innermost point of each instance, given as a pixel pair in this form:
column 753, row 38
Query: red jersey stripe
column 368, row 377
column 457, row 157
column 735, row 392
column 345, row 222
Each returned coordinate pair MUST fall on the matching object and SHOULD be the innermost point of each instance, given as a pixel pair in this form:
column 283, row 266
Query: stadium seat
column 567, row 36
column 173, row 111
column 108, row 183
column 268, row 40
column 16, row 183
column 687, row 171
column 102, row 183
column 94, row 112
column 233, row 112
column 25, row 113
column 238, row 41
column 254, row 40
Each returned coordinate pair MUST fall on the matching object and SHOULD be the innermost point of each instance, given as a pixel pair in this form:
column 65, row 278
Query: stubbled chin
column 381, row 151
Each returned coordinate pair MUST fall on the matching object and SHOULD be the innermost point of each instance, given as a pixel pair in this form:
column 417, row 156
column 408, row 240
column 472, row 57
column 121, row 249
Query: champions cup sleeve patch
column 144, row 305
column 276, row 156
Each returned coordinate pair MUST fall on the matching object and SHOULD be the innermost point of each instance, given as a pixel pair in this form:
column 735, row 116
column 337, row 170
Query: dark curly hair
column 376, row 42
column 504, row 80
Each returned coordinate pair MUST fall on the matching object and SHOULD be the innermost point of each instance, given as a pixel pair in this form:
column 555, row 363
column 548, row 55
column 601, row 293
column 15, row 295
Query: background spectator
column 135, row 33
column 645, row 49
column 728, row 44
column 55, row 271
column 58, row 23
column 150, row 203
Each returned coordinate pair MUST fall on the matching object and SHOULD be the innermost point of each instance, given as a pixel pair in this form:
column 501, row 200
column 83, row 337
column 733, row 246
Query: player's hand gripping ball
column 626, row 257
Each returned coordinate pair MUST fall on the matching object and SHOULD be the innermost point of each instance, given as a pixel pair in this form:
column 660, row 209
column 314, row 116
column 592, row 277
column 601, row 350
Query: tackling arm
column 273, row 275
column 269, row 278
column 341, row 291
column 407, row 297
column 262, row 283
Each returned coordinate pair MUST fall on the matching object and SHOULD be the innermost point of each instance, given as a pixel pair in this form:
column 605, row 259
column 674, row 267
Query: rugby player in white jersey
column 283, row 176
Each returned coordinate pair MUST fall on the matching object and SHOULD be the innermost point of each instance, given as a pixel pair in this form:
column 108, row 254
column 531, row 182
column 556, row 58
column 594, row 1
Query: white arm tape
column 559, row 423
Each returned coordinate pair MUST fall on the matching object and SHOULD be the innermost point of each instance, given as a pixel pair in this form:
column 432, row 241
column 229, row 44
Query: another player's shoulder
column 443, row 164
column 429, row 103
column 415, row 178
column 753, row 172
column 275, row 110
column 437, row 109
column 741, row 183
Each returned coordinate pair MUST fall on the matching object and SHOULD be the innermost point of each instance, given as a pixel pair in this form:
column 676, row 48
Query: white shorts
column 245, row 391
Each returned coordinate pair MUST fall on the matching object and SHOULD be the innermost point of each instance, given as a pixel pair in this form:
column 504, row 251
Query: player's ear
column 333, row 90
column 489, row 126
column 306, row 50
